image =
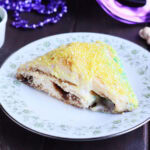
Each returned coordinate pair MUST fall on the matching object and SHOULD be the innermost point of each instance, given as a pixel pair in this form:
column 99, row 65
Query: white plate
column 47, row 116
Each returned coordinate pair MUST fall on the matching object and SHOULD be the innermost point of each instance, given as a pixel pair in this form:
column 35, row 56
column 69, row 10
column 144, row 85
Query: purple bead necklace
column 54, row 8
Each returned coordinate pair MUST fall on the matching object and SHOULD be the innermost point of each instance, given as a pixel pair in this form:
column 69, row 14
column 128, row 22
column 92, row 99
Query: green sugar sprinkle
column 115, row 59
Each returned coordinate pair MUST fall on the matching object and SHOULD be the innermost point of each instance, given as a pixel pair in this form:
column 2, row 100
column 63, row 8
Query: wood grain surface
column 83, row 16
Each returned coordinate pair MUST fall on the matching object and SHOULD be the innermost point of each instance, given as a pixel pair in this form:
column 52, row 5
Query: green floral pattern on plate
column 135, row 60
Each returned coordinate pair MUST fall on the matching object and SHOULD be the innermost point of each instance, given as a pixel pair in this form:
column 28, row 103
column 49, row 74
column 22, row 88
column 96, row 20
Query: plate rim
column 71, row 139
column 67, row 138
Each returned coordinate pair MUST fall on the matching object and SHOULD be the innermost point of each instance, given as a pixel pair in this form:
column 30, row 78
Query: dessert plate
column 44, row 115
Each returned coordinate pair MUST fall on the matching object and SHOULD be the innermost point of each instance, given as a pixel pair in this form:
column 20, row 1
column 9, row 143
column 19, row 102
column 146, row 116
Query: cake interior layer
column 47, row 84
column 63, row 90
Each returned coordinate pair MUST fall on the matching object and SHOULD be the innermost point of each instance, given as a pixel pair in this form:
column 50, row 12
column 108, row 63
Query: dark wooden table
column 83, row 16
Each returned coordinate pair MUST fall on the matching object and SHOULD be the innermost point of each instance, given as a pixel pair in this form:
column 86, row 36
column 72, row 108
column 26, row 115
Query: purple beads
column 51, row 8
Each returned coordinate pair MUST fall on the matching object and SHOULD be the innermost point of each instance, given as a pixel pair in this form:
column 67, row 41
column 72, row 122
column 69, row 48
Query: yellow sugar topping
column 90, row 60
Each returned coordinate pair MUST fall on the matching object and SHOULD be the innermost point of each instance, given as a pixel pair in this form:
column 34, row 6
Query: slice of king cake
column 86, row 75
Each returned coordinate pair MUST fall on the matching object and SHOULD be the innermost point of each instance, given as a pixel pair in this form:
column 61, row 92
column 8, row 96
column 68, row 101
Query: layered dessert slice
column 86, row 75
